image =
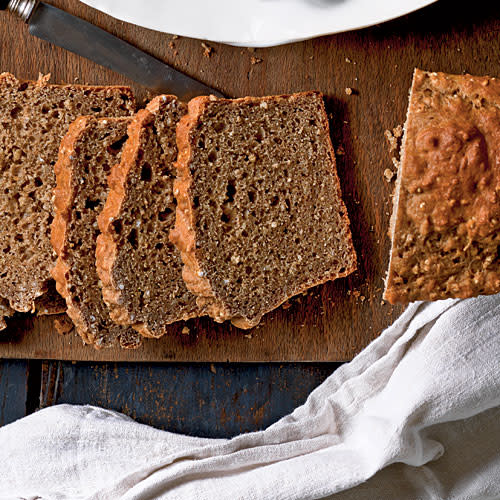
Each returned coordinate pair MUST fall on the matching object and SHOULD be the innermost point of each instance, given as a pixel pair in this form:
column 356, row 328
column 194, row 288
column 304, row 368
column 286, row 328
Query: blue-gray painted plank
column 218, row 400
column 13, row 390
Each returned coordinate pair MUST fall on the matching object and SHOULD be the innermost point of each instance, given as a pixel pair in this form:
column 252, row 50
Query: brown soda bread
column 445, row 226
column 88, row 151
column 140, row 269
column 34, row 116
column 260, row 216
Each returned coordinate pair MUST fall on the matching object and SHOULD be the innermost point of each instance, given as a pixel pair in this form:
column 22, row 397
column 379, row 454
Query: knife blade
column 83, row 38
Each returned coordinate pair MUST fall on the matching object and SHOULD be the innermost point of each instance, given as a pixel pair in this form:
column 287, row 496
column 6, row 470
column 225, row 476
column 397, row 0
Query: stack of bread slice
column 34, row 116
column 223, row 208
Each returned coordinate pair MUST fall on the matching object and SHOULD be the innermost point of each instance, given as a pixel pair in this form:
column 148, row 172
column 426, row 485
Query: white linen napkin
column 415, row 416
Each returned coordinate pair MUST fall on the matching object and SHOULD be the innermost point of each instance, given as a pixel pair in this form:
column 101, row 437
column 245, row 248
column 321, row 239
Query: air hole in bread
column 163, row 216
column 132, row 238
column 230, row 192
column 116, row 147
column 219, row 126
column 91, row 204
column 146, row 172
column 15, row 111
column 117, row 226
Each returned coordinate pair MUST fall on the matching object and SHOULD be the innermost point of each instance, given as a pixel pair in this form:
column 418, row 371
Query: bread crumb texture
column 447, row 218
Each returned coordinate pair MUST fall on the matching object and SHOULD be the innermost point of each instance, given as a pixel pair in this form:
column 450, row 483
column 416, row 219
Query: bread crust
column 43, row 81
column 107, row 248
column 27, row 303
column 444, row 225
column 184, row 234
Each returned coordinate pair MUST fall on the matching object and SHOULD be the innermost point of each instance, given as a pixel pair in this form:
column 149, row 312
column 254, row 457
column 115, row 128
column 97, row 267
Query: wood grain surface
column 337, row 320
column 211, row 400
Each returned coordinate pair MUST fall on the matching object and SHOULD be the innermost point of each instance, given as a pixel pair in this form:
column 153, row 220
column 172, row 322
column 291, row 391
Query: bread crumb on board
column 185, row 331
column 393, row 138
column 171, row 46
column 63, row 324
column 255, row 60
column 348, row 90
column 389, row 174
column 207, row 50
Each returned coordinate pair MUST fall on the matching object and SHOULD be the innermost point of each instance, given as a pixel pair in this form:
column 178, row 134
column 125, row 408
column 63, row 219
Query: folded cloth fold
column 416, row 415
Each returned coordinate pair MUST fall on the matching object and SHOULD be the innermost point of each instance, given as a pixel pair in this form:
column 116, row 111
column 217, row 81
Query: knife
column 78, row 36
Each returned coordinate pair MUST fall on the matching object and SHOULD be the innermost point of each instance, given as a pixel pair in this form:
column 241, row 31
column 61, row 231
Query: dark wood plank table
column 223, row 399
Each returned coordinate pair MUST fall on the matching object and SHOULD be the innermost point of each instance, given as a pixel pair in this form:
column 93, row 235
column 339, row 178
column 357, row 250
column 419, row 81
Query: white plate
column 256, row 23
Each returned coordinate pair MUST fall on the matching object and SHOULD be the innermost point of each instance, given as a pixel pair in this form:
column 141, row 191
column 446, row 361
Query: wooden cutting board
column 335, row 321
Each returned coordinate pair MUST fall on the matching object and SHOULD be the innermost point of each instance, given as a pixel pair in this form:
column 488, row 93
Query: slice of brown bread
column 140, row 269
column 260, row 216
column 34, row 116
column 445, row 226
column 88, row 151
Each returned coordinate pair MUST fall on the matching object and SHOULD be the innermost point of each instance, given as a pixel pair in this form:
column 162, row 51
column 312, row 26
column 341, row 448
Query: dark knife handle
column 21, row 8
